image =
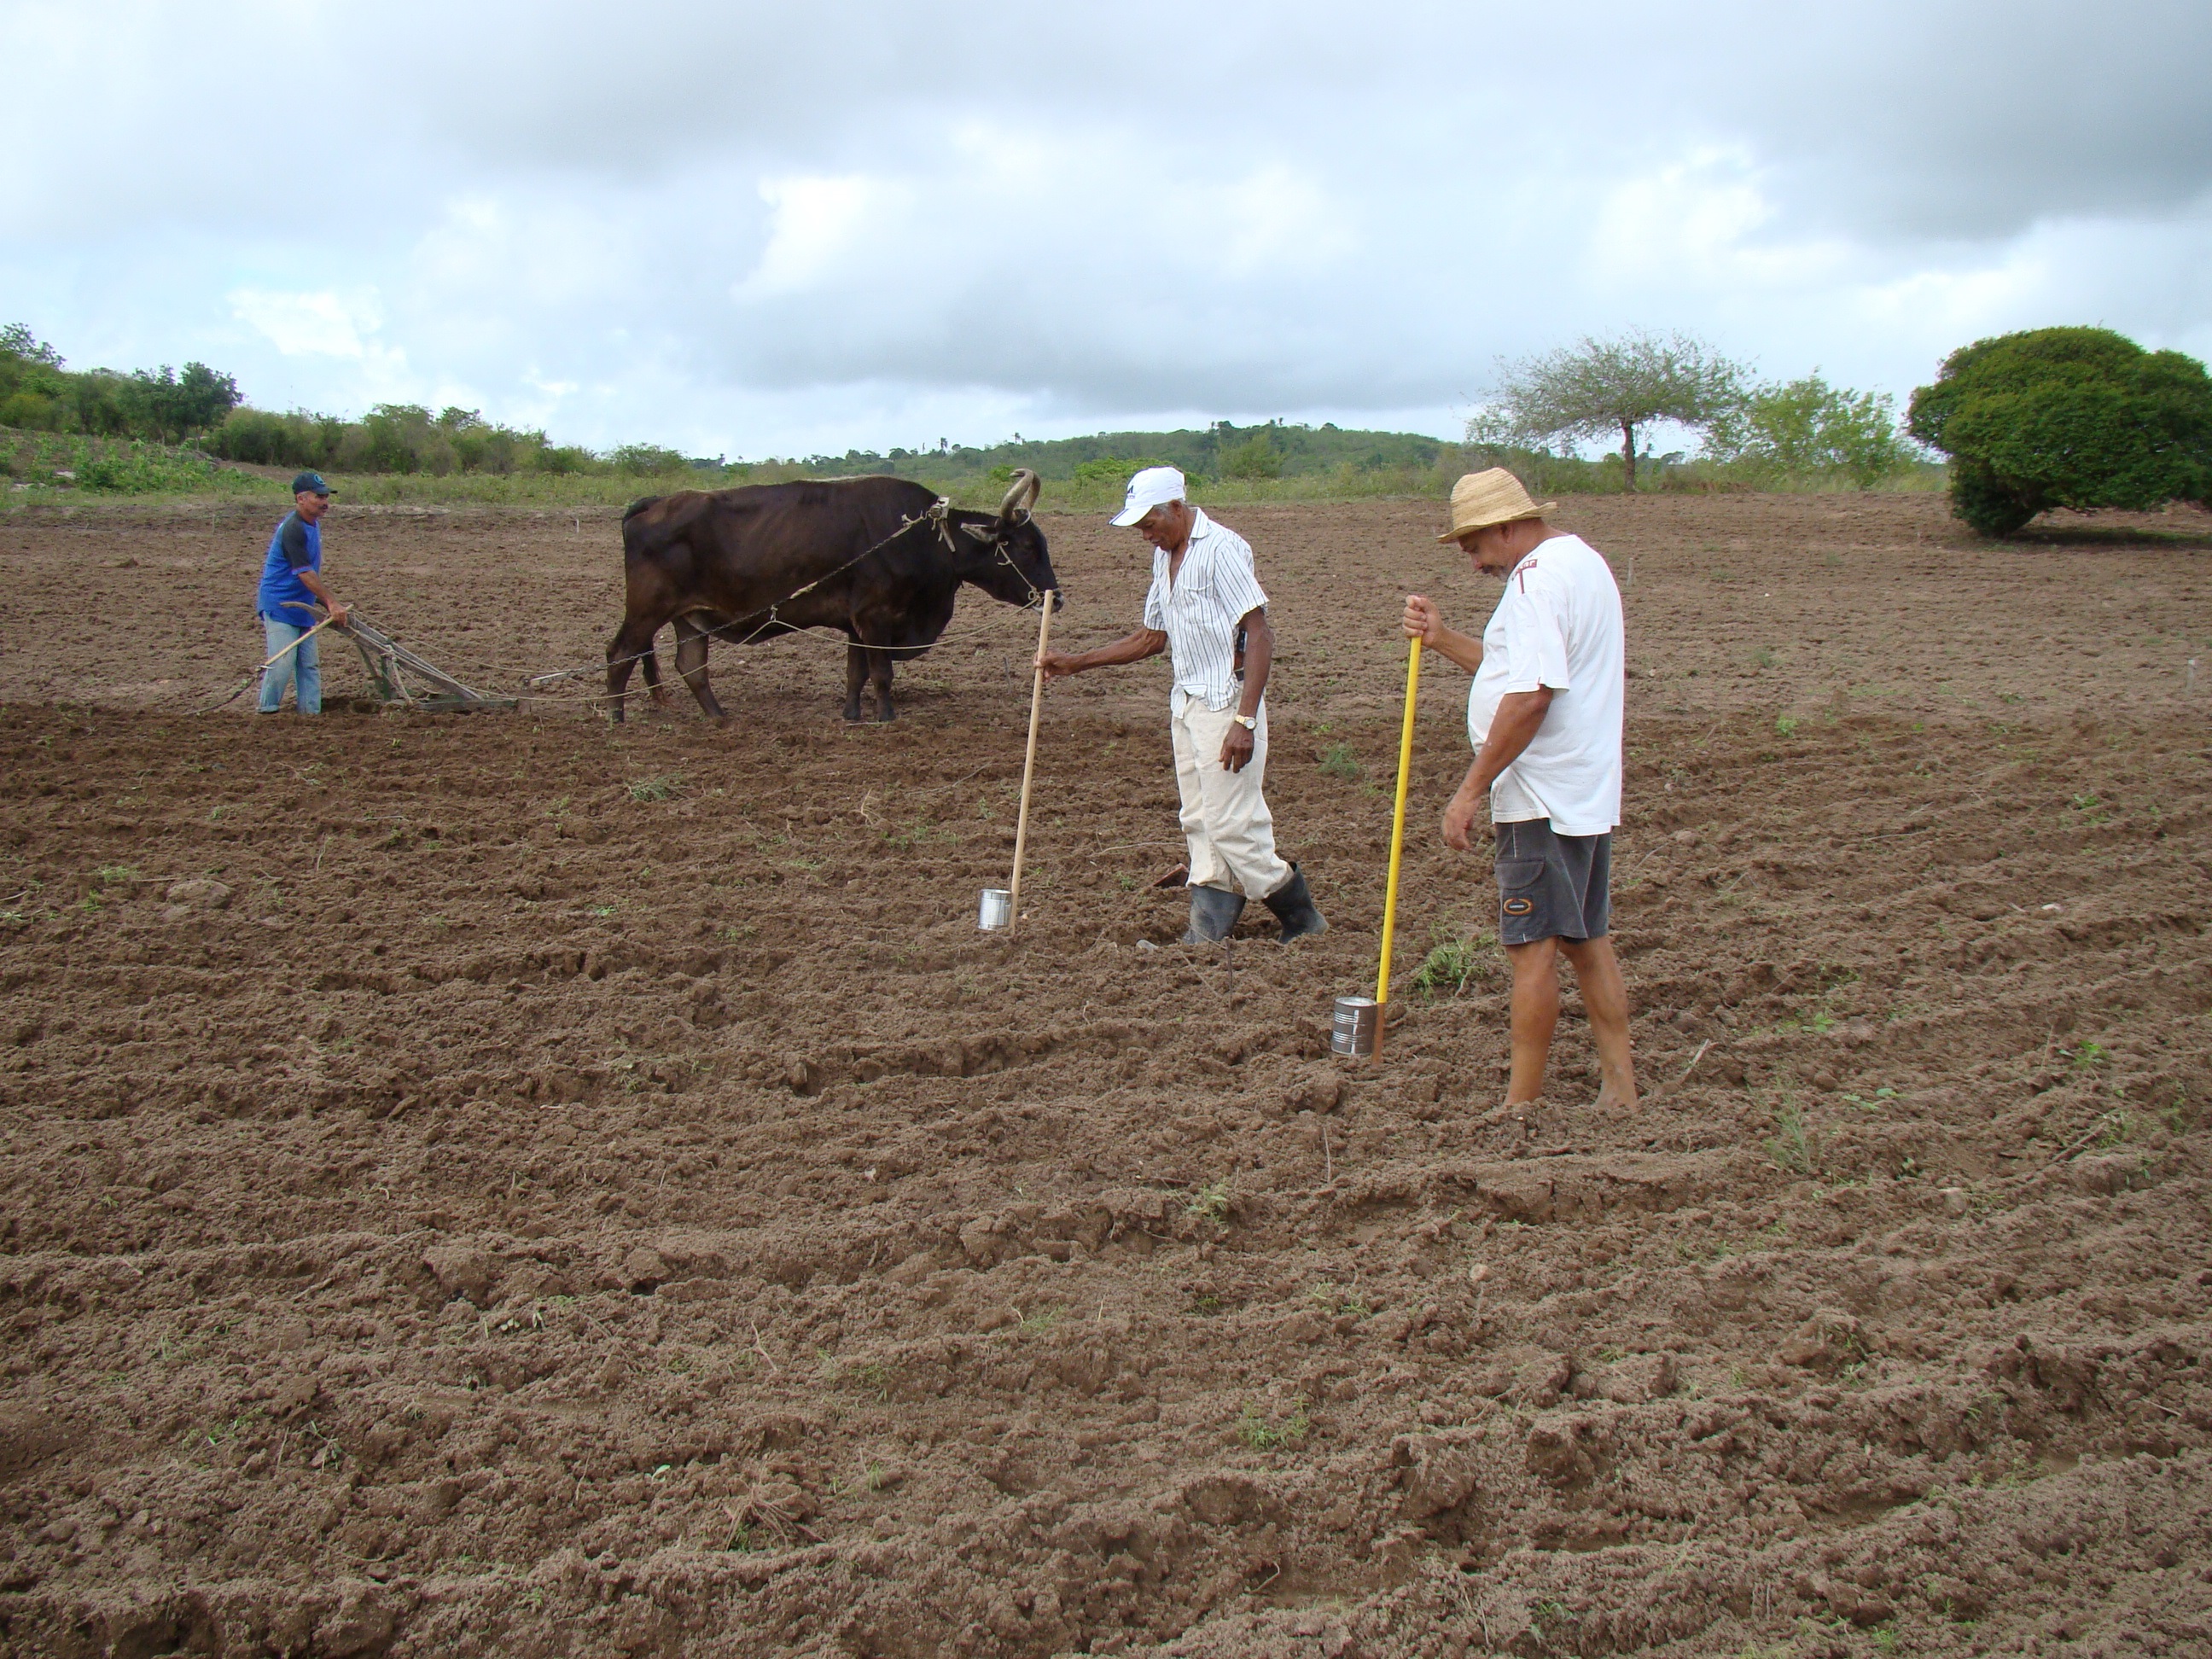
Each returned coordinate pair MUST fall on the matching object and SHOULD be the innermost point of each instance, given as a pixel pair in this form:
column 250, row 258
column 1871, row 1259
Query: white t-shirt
column 1557, row 623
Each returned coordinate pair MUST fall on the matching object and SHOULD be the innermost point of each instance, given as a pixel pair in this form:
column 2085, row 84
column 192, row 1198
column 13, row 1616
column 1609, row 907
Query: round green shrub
column 2076, row 417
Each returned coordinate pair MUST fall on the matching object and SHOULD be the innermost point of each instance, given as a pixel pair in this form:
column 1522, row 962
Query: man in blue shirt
column 291, row 584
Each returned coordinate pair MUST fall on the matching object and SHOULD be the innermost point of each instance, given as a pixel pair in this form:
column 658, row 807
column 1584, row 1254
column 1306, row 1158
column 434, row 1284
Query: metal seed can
column 1357, row 1028
column 996, row 913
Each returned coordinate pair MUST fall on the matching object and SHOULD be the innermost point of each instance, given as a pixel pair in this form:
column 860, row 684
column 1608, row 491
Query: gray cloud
column 759, row 228
column 1977, row 121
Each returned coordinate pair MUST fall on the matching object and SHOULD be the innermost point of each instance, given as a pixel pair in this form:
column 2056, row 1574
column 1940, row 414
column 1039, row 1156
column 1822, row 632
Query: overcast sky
column 733, row 227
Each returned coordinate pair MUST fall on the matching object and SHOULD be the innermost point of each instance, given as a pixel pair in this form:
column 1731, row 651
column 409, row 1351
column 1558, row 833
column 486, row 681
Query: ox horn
column 1023, row 497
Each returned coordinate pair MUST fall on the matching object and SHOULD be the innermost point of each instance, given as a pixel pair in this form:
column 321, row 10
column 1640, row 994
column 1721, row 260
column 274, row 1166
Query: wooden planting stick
column 1028, row 768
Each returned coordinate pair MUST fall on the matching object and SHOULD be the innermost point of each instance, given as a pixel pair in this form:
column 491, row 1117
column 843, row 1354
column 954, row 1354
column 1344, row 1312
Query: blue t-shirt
column 297, row 546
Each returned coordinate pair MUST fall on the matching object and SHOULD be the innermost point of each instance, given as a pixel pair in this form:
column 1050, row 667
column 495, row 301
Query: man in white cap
column 1544, row 717
column 1206, row 610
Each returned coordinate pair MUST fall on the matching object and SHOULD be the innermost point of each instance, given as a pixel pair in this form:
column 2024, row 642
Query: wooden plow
column 397, row 675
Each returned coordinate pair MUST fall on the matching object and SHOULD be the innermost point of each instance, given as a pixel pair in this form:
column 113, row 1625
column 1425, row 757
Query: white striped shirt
column 1199, row 609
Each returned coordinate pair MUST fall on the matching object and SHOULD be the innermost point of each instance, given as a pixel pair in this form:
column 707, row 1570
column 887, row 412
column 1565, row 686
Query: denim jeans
column 301, row 667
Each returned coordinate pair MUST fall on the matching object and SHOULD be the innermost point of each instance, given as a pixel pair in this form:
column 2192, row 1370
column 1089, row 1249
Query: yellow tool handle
column 1398, row 825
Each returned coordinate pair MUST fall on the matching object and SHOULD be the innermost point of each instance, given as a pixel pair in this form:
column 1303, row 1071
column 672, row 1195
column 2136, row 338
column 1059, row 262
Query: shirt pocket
column 1519, row 875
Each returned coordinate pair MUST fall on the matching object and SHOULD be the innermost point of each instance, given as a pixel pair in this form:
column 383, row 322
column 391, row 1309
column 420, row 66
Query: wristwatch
column 1250, row 723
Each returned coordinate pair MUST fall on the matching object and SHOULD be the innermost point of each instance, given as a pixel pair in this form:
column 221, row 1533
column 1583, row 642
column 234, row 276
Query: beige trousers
column 1224, row 816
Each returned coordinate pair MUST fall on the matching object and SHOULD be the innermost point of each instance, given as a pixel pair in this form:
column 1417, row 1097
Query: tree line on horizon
column 1600, row 390
column 2079, row 417
column 40, row 394
column 203, row 407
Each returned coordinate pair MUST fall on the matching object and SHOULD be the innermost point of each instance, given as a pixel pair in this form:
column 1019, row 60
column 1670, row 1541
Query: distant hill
column 1223, row 450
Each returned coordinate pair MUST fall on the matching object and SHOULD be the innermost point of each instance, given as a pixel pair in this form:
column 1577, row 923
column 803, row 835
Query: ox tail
column 638, row 507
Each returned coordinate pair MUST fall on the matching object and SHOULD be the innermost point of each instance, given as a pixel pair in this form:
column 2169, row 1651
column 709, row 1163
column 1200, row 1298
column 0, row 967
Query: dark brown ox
column 880, row 560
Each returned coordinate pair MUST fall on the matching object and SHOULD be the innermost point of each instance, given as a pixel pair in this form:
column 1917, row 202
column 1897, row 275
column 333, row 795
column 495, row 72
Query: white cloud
column 1705, row 220
column 309, row 325
column 1274, row 220
column 818, row 230
column 1950, row 302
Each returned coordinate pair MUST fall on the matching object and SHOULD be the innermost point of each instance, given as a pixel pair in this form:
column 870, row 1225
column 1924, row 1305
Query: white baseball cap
column 1154, row 487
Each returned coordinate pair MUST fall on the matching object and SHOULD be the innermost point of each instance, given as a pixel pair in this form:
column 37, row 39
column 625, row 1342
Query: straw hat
column 1480, row 500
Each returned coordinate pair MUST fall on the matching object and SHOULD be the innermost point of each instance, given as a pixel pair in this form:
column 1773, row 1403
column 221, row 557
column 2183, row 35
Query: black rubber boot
column 1213, row 912
column 1294, row 907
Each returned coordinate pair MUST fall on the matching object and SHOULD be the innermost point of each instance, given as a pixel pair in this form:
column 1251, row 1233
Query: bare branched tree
column 1599, row 387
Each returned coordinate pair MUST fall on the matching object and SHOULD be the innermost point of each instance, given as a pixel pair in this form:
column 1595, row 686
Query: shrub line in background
column 2072, row 417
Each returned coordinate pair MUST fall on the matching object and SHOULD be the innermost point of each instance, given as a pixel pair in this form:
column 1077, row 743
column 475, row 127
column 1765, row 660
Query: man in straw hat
column 1206, row 610
column 1544, row 717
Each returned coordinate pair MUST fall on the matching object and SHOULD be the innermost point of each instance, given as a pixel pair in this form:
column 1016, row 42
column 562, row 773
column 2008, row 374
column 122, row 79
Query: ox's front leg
column 691, row 663
column 856, row 674
column 880, row 672
column 632, row 643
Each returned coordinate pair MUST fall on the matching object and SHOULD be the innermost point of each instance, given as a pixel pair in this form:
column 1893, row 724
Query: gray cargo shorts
column 1552, row 886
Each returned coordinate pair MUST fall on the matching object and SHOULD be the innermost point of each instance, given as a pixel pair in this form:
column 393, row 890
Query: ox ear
column 987, row 532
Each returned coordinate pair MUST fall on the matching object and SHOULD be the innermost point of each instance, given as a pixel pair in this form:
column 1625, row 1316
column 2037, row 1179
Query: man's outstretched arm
column 1145, row 642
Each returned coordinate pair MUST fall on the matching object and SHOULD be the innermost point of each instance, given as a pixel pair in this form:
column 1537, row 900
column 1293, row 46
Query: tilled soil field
column 507, row 1185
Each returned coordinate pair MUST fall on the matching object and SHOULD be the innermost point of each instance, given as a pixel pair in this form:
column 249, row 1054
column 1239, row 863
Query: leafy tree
column 648, row 460
column 105, row 404
column 397, row 438
column 1600, row 388
column 1256, row 457
column 18, row 342
column 2079, row 417
column 1807, row 428
column 33, row 390
column 169, row 406
column 564, row 458
column 480, row 446
column 261, row 438
column 1112, row 471
column 37, row 391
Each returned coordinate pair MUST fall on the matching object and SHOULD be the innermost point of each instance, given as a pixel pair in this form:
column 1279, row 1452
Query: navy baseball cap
column 310, row 483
